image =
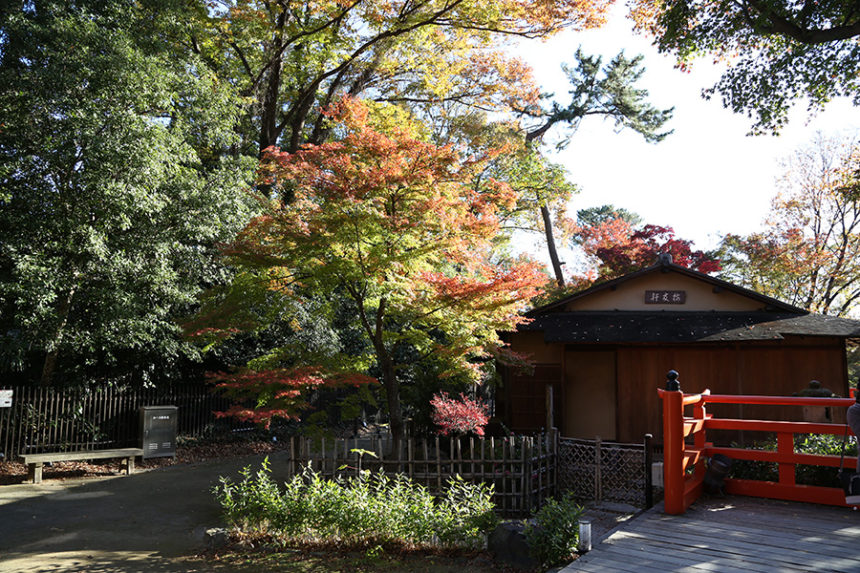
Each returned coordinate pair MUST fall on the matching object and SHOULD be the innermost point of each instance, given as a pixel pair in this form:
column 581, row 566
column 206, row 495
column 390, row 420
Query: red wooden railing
column 686, row 447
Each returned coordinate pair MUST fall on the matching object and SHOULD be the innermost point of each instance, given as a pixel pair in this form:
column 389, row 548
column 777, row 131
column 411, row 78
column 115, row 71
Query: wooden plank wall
column 525, row 397
column 751, row 369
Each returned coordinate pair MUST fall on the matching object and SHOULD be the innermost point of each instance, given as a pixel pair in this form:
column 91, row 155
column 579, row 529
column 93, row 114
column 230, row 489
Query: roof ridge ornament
column 664, row 259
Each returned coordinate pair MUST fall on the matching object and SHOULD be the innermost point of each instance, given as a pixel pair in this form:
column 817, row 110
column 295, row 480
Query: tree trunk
column 270, row 107
column 550, row 244
column 392, row 393
column 50, row 364
column 386, row 364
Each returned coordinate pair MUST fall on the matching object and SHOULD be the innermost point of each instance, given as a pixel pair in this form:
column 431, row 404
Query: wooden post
column 525, row 467
column 472, row 459
column 291, row 465
column 493, row 465
column 673, row 446
column 785, row 447
column 649, row 479
column 438, row 467
column 451, row 465
column 426, row 465
column 550, row 420
column 345, row 463
column 552, row 452
column 505, row 470
column 598, row 478
column 700, row 439
column 410, row 454
column 481, row 467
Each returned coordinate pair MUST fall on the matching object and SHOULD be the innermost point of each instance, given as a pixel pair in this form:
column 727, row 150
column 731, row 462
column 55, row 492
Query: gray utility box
column 158, row 431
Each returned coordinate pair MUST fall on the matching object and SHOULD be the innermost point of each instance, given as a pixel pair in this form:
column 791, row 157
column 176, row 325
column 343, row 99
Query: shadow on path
column 142, row 522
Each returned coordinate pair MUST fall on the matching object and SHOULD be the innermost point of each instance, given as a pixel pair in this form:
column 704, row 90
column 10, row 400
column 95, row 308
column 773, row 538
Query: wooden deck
column 732, row 534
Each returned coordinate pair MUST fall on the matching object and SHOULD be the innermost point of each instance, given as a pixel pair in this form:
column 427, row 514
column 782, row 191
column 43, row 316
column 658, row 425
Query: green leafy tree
column 117, row 186
column 294, row 58
column 597, row 90
column 440, row 61
column 393, row 225
column 542, row 187
column 778, row 51
column 593, row 216
column 809, row 252
column 606, row 91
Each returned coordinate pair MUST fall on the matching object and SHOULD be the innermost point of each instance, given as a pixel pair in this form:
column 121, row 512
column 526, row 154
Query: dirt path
column 145, row 522
column 152, row 521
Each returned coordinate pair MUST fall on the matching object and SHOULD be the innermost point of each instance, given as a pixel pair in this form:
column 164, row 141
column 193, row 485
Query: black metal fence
column 53, row 420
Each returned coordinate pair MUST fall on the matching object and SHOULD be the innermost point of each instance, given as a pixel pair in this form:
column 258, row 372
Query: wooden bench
column 35, row 462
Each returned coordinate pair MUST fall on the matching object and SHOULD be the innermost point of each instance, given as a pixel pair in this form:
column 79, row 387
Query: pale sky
column 706, row 179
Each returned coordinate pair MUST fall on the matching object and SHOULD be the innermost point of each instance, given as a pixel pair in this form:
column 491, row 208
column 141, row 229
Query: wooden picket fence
column 522, row 469
column 53, row 420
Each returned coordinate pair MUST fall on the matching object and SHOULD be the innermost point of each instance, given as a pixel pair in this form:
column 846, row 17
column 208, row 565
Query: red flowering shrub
column 458, row 416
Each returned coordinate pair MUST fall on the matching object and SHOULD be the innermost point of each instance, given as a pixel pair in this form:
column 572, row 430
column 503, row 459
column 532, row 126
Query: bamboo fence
column 522, row 469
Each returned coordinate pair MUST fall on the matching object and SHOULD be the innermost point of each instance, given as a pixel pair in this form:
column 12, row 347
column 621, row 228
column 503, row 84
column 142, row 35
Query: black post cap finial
column 672, row 383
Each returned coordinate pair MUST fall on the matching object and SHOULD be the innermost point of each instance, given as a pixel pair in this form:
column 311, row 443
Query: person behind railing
column 853, row 418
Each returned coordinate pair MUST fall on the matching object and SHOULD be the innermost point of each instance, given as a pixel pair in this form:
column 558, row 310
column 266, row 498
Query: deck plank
column 750, row 555
column 672, row 561
column 731, row 535
column 741, row 541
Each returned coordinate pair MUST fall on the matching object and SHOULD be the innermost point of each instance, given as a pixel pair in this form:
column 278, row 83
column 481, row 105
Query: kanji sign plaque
column 665, row 296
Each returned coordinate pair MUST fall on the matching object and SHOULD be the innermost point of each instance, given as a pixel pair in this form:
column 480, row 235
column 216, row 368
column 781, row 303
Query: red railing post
column 700, row 438
column 673, row 446
column 785, row 447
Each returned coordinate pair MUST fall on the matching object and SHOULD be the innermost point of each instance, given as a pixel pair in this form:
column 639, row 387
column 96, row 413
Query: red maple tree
column 618, row 248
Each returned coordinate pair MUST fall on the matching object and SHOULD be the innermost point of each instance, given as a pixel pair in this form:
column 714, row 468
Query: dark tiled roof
column 630, row 326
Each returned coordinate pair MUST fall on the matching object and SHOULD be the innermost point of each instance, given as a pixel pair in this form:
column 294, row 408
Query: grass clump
column 374, row 509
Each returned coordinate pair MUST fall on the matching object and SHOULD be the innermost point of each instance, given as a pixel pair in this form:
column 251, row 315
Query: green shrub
column 820, row 444
column 254, row 503
column 554, row 533
column 465, row 513
column 372, row 509
column 755, row 470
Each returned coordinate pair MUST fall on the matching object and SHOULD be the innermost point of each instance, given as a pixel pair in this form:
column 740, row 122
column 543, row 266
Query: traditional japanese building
column 607, row 349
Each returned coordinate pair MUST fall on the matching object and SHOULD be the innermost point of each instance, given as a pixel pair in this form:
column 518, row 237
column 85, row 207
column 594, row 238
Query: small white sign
column 5, row 398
